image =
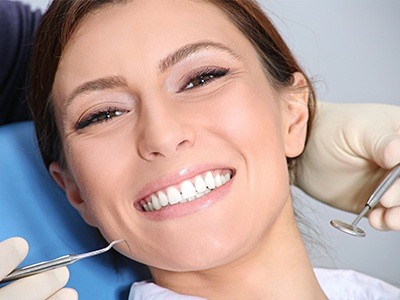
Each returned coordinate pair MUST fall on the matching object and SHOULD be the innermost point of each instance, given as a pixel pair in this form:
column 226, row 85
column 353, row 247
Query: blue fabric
column 33, row 207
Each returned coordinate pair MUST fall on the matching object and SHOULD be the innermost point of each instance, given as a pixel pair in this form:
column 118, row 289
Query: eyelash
column 98, row 117
column 203, row 77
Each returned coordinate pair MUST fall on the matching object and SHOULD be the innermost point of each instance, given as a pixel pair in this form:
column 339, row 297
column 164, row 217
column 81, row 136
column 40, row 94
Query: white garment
column 351, row 285
column 337, row 285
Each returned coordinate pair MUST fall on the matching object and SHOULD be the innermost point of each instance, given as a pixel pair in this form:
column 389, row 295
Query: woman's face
column 154, row 98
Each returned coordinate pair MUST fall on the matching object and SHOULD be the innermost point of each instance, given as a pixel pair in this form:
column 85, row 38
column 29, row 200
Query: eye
column 99, row 117
column 204, row 77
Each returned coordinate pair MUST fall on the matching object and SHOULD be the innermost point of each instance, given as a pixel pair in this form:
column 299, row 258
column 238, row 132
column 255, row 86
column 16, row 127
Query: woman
column 19, row 22
column 132, row 126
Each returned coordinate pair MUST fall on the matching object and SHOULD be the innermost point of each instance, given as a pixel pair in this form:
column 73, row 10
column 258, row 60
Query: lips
column 186, row 191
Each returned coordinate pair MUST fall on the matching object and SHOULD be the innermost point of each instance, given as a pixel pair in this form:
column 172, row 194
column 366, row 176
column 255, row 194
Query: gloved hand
column 47, row 285
column 350, row 150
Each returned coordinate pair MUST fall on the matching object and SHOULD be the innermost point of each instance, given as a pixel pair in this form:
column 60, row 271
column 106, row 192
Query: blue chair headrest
column 33, row 207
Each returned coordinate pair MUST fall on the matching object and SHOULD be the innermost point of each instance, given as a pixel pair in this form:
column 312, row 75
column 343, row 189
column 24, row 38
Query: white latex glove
column 351, row 149
column 47, row 285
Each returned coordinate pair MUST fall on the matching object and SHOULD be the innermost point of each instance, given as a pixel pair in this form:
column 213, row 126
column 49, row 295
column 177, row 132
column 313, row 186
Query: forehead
column 129, row 36
column 150, row 24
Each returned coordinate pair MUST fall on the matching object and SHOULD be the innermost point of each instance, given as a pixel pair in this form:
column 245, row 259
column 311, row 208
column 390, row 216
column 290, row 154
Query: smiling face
column 174, row 139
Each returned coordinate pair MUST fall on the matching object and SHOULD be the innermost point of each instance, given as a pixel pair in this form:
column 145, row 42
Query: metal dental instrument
column 352, row 229
column 53, row 264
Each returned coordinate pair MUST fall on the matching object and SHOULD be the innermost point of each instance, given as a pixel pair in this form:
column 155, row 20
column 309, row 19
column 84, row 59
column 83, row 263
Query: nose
column 165, row 131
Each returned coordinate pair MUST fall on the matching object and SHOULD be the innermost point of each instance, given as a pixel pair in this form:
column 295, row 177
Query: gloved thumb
column 384, row 149
column 12, row 252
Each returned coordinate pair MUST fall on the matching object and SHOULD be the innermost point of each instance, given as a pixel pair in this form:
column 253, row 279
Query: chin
column 200, row 256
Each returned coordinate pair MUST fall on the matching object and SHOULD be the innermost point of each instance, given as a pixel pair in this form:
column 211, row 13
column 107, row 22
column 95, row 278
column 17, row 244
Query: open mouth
column 187, row 190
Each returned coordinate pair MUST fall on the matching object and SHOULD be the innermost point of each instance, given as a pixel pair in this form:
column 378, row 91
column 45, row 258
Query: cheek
column 104, row 170
column 100, row 167
column 254, row 124
column 248, row 122
column 250, row 119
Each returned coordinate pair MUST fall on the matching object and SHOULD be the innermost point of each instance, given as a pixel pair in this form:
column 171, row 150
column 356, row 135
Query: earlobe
column 67, row 183
column 297, row 108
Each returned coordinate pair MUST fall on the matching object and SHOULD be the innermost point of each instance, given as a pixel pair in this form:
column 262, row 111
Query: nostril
column 155, row 154
column 182, row 145
column 163, row 141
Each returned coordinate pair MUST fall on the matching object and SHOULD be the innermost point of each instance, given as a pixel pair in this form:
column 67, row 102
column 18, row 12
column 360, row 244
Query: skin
column 237, row 122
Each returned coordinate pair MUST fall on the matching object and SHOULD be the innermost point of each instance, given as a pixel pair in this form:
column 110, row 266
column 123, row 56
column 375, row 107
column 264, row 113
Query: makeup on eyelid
column 99, row 117
column 217, row 61
column 89, row 104
column 202, row 77
column 196, row 79
column 102, row 112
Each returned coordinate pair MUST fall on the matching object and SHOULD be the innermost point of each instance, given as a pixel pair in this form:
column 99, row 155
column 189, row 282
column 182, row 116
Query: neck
column 277, row 268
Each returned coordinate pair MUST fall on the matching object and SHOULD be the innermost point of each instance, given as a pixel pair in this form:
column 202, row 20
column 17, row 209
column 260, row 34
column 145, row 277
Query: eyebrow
column 99, row 84
column 190, row 49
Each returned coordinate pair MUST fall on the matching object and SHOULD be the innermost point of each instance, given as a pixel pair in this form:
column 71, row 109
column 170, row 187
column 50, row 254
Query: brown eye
column 99, row 117
column 204, row 77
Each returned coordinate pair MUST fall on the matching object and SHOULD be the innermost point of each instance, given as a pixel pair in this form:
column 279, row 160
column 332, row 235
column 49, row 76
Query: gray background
column 352, row 50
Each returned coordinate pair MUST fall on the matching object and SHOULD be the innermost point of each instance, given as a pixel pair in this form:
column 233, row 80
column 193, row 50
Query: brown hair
column 62, row 18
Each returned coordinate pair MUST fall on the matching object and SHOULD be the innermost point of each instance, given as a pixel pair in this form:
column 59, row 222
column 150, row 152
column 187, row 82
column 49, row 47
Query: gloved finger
column 376, row 218
column 385, row 218
column 392, row 218
column 65, row 294
column 36, row 287
column 12, row 253
column 391, row 198
column 391, row 154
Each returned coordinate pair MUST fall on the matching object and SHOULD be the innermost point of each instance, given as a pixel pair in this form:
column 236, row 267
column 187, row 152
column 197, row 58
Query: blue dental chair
column 33, row 207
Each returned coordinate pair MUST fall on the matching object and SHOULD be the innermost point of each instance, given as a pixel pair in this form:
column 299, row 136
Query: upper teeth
column 188, row 191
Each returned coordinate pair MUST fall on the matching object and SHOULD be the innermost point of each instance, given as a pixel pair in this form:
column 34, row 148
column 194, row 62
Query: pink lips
column 176, row 178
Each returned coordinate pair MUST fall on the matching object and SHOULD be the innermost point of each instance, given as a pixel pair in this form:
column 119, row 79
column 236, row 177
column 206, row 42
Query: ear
column 296, row 106
column 65, row 181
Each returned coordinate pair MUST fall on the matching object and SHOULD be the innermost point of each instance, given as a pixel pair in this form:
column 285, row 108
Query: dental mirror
column 376, row 196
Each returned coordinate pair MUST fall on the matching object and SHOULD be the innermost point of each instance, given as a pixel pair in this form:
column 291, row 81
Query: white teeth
column 188, row 190
column 218, row 181
column 174, row 196
column 200, row 185
column 163, row 198
column 155, row 202
column 209, row 180
column 192, row 198
column 203, row 193
column 225, row 178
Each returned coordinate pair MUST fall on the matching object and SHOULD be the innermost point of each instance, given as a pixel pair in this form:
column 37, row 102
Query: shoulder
column 15, row 13
column 18, row 24
column 347, row 284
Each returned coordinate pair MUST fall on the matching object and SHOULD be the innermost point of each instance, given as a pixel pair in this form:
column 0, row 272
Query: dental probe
column 352, row 229
column 54, row 263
